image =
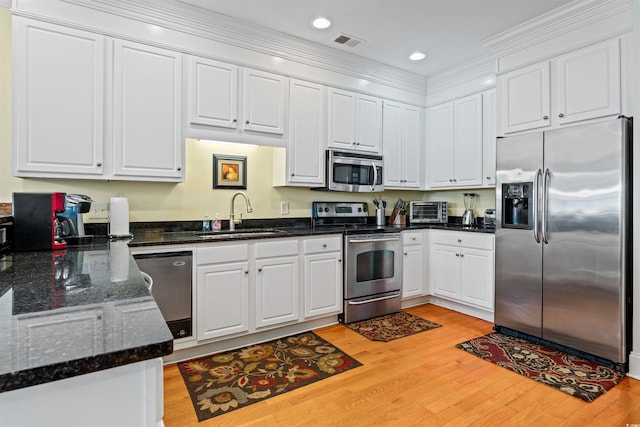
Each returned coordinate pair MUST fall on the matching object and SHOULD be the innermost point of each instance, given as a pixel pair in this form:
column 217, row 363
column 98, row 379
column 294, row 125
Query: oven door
column 373, row 264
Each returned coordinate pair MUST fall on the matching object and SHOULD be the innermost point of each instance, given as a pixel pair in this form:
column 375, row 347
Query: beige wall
column 195, row 197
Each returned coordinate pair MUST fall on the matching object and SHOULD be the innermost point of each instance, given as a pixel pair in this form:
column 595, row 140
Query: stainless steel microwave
column 352, row 172
column 428, row 212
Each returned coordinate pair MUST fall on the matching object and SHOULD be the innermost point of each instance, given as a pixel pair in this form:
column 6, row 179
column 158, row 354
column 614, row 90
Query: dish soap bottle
column 217, row 226
column 206, row 223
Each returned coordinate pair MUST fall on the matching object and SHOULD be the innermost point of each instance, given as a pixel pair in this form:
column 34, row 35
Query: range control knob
column 359, row 209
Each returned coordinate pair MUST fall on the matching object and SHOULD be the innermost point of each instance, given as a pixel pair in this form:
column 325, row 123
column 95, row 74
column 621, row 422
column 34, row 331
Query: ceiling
column 449, row 32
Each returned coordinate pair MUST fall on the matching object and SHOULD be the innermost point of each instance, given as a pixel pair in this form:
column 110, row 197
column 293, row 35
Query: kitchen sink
column 238, row 234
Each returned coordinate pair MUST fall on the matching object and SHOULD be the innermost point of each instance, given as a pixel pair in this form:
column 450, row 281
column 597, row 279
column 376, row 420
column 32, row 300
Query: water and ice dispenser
column 517, row 205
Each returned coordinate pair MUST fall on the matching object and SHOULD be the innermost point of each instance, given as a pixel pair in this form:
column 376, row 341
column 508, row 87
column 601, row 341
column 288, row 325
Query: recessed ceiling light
column 321, row 23
column 417, row 56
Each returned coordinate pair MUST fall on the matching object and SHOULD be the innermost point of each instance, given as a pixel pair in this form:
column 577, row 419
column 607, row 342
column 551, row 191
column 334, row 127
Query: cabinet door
column 444, row 270
column 307, row 133
column 264, row 102
column 412, row 271
column 276, row 291
column 212, row 93
column 524, row 97
column 468, row 140
column 342, row 119
column 489, row 138
column 440, row 146
column 589, row 83
column 222, row 300
column 59, row 100
column 412, row 144
column 392, row 140
column 477, row 277
column 368, row 124
column 322, row 284
column 147, row 106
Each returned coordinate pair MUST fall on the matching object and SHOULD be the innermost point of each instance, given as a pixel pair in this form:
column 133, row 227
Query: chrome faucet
column 232, row 215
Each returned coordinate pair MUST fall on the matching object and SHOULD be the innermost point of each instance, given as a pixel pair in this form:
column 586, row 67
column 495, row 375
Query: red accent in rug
column 568, row 373
column 392, row 326
column 223, row 382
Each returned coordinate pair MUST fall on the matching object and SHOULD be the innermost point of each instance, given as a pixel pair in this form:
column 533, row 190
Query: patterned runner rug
column 392, row 326
column 568, row 373
column 223, row 382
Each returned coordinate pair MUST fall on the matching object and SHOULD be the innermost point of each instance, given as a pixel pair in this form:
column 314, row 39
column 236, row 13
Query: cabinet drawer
column 411, row 237
column 466, row 239
column 276, row 248
column 323, row 244
column 222, row 253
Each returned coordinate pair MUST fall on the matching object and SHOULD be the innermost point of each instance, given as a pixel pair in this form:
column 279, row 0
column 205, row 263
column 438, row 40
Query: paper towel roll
column 119, row 217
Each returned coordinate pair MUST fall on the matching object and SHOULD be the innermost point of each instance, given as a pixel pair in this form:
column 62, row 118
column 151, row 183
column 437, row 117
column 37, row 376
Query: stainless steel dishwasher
column 171, row 273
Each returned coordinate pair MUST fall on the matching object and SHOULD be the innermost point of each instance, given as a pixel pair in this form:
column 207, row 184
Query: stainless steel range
column 373, row 260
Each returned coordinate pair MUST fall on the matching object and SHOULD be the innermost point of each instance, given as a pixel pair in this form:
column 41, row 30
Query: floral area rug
column 392, row 326
column 223, row 382
column 568, row 373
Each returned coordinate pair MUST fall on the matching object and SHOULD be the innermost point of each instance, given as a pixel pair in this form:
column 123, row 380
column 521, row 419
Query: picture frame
column 229, row 171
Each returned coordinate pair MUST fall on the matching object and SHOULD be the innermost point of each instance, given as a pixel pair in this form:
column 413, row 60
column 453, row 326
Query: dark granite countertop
column 75, row 311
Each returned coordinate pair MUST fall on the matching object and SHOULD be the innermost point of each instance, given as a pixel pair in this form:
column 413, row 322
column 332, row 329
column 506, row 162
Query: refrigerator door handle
column 545, row 203
column 536, row 207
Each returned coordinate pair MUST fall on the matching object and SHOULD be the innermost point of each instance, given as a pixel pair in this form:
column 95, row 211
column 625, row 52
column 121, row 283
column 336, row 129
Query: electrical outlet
column 284, row 208
column 98, row 211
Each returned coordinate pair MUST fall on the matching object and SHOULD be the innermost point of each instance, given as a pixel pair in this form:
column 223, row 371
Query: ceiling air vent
column 347, row 40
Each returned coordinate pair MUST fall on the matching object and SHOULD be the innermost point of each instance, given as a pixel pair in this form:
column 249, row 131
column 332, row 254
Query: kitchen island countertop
column 75, row 311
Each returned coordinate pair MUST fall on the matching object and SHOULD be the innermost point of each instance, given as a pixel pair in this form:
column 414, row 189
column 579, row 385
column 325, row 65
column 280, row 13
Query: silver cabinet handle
column 457, row 254
column 260, row 269
column 374, row 300
column 545, row 117
column 246, row 272
column 99, row 164
column 560, row 115
column 459, row 240
column 247, row 122
column 324, row 245
column 178, row 263
column 461, row 255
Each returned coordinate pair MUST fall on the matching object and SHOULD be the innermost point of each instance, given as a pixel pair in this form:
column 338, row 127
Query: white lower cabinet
column 222, row 288
column 322, row 276
column 462, row 267
column 245, row 288
column 413, row 265
column 276, row 282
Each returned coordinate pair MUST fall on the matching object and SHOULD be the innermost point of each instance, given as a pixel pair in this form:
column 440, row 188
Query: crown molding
column 195, row 21
column 573, row 16
column 5, row 3
column 481, row 68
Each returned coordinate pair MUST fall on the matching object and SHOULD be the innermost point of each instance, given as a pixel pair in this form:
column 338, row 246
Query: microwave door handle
column 387, row 239
column 375, row 176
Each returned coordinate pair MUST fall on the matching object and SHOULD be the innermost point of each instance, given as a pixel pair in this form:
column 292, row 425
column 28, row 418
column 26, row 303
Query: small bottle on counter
column 206, row 223
column 217, row 226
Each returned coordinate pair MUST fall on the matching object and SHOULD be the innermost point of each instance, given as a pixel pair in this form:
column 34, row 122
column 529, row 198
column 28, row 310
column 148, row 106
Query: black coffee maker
column 38, row 223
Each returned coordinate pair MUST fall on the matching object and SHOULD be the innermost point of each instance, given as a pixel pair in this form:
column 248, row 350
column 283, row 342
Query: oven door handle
column 396, row 295
column 386, row 239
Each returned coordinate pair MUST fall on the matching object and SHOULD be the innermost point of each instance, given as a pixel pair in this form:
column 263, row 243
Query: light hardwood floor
column 421, row 380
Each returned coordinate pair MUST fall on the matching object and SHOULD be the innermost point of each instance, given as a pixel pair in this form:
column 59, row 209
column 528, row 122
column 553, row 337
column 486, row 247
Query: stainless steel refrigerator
column 563, row 236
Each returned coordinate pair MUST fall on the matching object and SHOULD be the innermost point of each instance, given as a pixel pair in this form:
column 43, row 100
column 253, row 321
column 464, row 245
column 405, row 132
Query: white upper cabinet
column 147, row 105
column 524, row 98
column 212, row 96
column 581, row 85
column 264, row 101
column 454, row 154
column 489, row 138
column 307, row 136
column 355, row 121
column 402, row 140
column 589, row 83
column 229, row 103
column 59, row 100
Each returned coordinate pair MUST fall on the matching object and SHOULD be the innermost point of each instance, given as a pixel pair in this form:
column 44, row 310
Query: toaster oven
column 428, row 213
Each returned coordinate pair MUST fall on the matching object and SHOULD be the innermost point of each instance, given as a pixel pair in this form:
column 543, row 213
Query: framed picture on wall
column 229, row 171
